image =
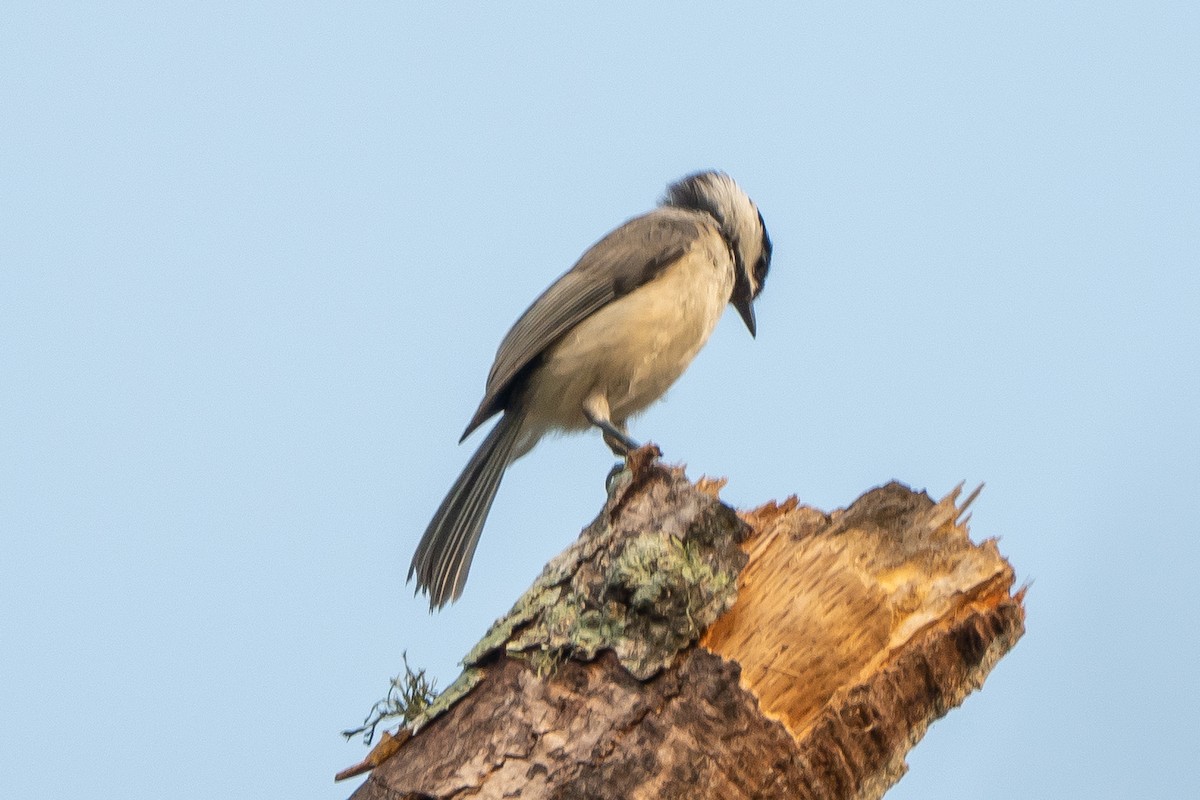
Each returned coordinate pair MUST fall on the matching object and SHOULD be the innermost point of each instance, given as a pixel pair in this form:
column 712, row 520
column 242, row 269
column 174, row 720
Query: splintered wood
column 858, row 629
column 851, row 632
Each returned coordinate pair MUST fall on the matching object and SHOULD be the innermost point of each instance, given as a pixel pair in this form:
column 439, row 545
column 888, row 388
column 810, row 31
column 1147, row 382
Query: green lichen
column 409, row 698
column 645, row 594
column 644, row 580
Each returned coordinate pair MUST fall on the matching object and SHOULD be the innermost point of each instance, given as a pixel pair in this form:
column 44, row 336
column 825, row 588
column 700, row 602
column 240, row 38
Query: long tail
column 443, row 557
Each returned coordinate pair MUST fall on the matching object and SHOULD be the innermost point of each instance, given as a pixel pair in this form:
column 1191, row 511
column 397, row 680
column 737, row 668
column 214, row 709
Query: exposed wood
column 676, row 650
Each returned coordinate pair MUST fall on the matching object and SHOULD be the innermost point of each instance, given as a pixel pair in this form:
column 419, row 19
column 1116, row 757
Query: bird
column 600, row 345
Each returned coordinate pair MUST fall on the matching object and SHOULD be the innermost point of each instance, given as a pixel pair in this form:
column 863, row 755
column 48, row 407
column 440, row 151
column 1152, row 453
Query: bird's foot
column 620, row 473
column 618, row 440
column 635, row 463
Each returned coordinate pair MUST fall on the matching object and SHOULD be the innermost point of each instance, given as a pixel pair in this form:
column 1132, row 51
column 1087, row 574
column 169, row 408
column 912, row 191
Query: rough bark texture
column 807, row 667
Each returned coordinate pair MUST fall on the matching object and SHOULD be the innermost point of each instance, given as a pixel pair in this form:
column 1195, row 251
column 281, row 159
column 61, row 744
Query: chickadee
column 605, row 341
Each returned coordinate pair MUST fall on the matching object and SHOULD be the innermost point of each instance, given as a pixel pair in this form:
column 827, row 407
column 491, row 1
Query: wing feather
column 625, row 259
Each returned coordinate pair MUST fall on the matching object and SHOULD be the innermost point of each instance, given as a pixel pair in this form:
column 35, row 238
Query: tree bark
column 681, row 650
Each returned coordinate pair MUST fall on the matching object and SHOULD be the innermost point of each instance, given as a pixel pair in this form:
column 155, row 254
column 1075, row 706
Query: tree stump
column 679, row 649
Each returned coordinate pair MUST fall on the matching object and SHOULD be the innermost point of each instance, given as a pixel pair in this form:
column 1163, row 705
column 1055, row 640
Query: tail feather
column 443, row 557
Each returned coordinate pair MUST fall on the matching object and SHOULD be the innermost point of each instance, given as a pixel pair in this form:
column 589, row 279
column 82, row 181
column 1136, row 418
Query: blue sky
column 255, row 260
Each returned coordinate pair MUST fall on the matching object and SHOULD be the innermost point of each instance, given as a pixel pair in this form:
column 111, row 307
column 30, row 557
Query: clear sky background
column 255, row 260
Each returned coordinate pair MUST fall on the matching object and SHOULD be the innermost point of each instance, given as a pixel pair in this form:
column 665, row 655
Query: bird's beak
column 745, row 307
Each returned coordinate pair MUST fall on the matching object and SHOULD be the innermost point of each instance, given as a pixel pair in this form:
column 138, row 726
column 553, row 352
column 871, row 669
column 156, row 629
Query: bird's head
column 740, row 222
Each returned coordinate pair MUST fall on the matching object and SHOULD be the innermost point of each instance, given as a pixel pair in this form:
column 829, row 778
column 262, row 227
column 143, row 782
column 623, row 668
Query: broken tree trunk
column 681, row 650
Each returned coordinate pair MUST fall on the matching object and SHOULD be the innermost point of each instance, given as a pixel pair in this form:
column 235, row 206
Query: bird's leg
column 621, row 445
column 595, row 408
column 618, row 440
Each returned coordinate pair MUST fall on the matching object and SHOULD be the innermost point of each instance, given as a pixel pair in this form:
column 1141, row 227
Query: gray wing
column 625, row 259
